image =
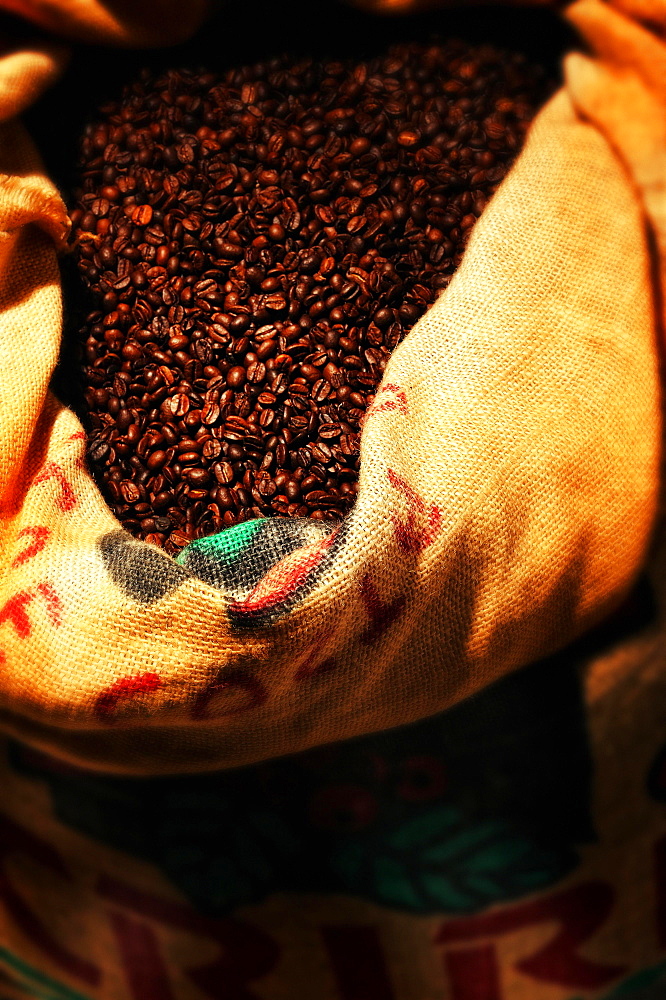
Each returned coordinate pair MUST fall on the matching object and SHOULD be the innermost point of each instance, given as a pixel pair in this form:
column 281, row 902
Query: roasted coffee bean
column 236, row 377
column 98, row 451
column 254, row 259
column 212, row 449
column 129, row 491
column 156, row 460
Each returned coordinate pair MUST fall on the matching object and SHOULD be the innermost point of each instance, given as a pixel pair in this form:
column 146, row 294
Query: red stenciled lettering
column 15, row 839
column 15, row 611
column 382, row 614
column 39, row 535
column 52, row 600
column 358, row 962
column 79, row 436
column 474, row 973
column 66, row 499
column 579, row 911
column 398, row 401
column 246, row 953
column 311, row 665
column 227, row 681
column 120, row 690
column 412, row 535
column 145, row 969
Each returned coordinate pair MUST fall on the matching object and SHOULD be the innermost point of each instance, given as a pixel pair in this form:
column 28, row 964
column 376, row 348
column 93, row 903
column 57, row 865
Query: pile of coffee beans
column 257, row 242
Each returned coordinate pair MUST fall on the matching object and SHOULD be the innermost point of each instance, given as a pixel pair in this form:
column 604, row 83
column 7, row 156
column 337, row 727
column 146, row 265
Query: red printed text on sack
column 144, row 926
column 15, row 610
column 121, row 690
column 311, row 664
column 578, row 913
column 230, row 683
column 246, row 953
column 382, row 614
column 39, row 536
column 419, row 529
column 66, row 498
column 390, row 397
column 15, row 839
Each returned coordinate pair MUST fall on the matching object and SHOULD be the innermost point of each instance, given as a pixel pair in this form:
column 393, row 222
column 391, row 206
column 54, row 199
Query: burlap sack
column 509, row 472
column 509, row 497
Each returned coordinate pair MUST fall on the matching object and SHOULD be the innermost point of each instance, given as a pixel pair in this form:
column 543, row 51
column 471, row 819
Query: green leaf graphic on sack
column 438, row 863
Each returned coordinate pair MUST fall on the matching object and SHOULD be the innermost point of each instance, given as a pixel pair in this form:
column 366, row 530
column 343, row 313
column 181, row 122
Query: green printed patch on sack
column 235, row 560
column 36, row 984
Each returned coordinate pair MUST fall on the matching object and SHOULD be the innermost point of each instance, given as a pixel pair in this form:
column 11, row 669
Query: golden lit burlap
column 509, row 471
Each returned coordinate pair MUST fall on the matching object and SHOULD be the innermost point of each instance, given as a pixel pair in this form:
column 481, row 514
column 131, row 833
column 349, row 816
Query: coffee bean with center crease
column 257, row 242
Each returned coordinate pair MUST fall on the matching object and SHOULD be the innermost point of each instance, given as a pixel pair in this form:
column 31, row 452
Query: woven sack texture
column 511, row 848
column 507, row 489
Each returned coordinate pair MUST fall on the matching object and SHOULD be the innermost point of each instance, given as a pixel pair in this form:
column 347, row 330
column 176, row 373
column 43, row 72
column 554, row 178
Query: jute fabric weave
column 509, row 499
column 509, row 465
